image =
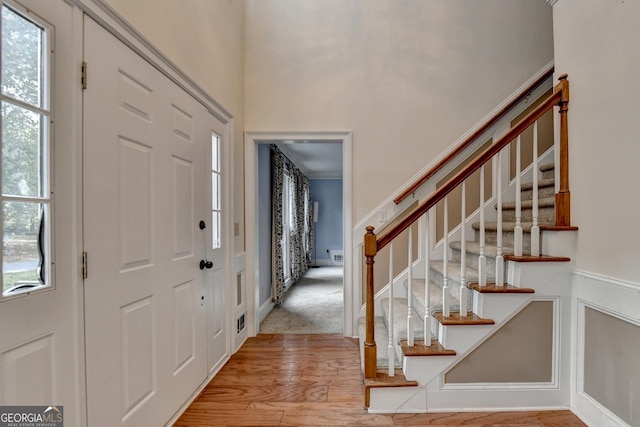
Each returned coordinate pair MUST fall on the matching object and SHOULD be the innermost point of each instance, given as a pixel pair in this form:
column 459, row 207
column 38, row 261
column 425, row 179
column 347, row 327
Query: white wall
column 597, row 44
column 407, row 77
column 205, row 39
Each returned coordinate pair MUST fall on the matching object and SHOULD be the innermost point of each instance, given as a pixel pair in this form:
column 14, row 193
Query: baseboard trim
column 264, row 310
column 503, row 409
column 593, row 413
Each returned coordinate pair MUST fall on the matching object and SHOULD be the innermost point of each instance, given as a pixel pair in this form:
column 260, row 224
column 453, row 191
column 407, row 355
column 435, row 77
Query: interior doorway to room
column 318, row 302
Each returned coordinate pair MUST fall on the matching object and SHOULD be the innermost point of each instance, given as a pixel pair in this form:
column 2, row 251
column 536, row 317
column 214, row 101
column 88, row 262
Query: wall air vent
column 336, row 257
column 240, row 324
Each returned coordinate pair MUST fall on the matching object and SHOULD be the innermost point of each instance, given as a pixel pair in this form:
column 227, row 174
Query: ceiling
column 316, row 158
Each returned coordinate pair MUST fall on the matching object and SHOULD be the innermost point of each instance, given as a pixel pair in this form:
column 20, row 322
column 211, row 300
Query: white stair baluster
column 535, row 229
column 391, row 353
column 499, row 257
column 445, row 262
column 517, row 231
column 463, row 253
column 427, row 280
column 410, row 292
column 482, row 260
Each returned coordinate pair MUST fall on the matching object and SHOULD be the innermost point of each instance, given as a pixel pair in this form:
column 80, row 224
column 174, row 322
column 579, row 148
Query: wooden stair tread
column 456, row 319
column 384, row 380
column 420, row 349
column 541, row 258
column 551, row 227
column 492, row 288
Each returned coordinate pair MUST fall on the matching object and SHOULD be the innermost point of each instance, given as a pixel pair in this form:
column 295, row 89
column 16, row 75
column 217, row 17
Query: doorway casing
column 251, row 141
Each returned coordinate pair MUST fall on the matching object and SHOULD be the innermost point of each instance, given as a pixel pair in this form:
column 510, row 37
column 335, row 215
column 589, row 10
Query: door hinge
column 83, row 75
column 85, row 266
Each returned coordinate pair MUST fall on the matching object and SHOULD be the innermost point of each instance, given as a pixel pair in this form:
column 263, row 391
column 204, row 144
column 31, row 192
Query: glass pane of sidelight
column 23, row 59
column 215, row 230
column 23, row 246
column 215, row 192
column 22, row 151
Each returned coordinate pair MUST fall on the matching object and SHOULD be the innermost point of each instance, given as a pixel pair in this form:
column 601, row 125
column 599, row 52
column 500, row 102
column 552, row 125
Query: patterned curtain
column 299, row 254
column 277, row 237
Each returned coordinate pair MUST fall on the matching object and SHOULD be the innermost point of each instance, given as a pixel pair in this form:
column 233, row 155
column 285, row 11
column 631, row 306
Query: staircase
column 418, row 384
column 467, row 346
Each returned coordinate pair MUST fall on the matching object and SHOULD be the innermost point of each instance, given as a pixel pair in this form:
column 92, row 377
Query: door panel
column 145, row 151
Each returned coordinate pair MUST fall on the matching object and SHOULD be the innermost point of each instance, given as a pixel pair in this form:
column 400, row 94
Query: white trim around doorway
column 251, row 141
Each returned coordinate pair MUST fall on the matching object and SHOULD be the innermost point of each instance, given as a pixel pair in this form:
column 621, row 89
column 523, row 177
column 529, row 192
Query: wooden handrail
column 471, row 138
column 474, row 165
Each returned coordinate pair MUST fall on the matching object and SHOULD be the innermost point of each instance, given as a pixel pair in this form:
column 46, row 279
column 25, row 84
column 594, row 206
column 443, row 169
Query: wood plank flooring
column 315, row 380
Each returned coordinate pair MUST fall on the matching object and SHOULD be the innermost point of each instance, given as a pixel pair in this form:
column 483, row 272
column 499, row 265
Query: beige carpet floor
column 313, row 305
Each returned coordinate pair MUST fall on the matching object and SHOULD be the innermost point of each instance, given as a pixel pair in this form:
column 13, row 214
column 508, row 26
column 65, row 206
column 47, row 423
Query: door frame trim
column 251, row 141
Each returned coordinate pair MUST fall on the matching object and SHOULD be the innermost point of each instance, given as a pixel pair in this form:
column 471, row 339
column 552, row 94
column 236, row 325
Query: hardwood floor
column 315, row 380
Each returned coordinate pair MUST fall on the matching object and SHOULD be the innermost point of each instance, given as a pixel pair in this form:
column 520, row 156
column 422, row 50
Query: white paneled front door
column 146, row 145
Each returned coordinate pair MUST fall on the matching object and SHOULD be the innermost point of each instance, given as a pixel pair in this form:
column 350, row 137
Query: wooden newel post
column 563, row 199
column 370, row 351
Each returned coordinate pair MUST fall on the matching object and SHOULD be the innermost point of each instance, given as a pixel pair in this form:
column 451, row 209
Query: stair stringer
column 463, row 339
column 555, row 394
column 551, row 281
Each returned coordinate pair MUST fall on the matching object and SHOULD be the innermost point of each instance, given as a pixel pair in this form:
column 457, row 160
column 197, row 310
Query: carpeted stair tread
column 506, row 226
column 471, row 274
column 382, row 341
column 547, row 167
column 400, row 312
column 435, row 295
column 543, row 183
column 490, row 249
column 547, row 202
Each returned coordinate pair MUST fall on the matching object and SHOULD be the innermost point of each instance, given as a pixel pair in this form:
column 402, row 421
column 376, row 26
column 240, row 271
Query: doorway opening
column 325, row 158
